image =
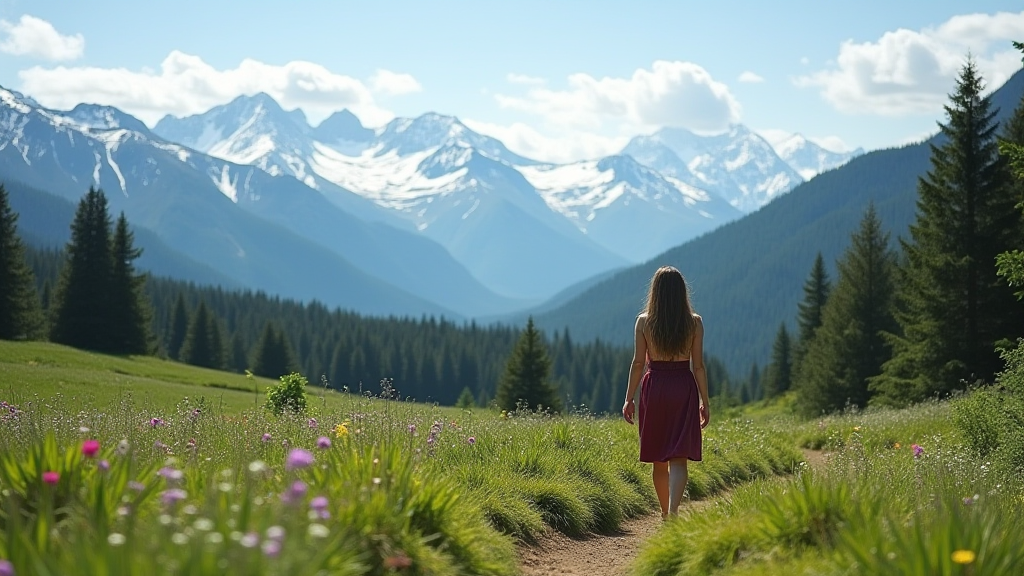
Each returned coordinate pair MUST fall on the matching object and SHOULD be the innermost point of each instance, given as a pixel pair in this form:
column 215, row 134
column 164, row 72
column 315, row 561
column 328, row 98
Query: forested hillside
column 746, row 276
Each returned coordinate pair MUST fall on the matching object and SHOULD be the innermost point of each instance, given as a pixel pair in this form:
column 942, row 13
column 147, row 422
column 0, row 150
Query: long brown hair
column 670, row 320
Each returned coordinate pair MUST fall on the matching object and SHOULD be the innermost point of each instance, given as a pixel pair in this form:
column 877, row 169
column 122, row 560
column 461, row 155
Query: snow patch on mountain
column 811, row 159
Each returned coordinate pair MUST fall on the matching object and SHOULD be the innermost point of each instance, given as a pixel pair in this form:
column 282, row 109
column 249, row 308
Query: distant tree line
column 88, row 295
column 930, row 318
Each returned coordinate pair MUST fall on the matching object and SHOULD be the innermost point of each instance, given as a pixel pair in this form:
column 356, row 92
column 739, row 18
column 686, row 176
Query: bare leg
column 678, row 475
column 661, row 485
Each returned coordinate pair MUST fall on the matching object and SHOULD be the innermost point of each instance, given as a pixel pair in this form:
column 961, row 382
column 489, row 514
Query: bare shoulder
column 641, row 319
column 699, row 321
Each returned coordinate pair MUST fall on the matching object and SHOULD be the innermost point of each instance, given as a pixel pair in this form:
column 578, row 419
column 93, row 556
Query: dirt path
column 604, row 555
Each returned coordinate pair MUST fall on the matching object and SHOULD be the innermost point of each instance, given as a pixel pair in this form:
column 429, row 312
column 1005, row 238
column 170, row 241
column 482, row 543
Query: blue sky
column 555, row 80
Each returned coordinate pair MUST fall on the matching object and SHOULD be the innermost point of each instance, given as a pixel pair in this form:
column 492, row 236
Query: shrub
column 289, row 395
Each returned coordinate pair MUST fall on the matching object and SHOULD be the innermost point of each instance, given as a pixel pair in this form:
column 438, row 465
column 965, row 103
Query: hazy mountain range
column 420, row 216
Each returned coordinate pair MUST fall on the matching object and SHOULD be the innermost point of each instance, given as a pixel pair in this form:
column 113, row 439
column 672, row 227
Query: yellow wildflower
column 896, row 446
column 341, row 430
column 856, row 428
column 964, row 556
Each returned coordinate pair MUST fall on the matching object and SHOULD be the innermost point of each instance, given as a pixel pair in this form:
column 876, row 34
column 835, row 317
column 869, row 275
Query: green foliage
column 288, row 396
column 178, row 328
column 780, row 371
column 99, row 303
column 466, row 399
column 849, row 348
column 526, row 379
column 273, row 356
column 20, row 314
column 810, row 311
column 203, row 345
column 953, row 308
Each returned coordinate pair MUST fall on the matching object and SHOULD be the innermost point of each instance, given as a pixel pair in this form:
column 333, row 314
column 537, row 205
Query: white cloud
column 750, row 77
column 35, row 37
column 394, row 84
column 566, row 147
column 912, row 72
column 680, row 94
column 805, row 60
column 185, row 85
column 514, row 78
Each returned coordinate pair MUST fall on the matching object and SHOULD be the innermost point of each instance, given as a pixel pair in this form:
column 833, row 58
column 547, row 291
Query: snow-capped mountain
column 630, row 209
column 738, row 165
column 271, row 233
column 453, row 185
column 810, row 159
column 446, row 180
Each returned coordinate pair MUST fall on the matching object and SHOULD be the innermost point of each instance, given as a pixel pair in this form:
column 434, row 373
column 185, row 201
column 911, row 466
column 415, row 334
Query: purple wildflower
column 6, row 568
column 412, row 429
column 172, row 496
column 298, row 459
column 170, row 474
column 136, row 486
column 312, row 422
column 918, row 450
column 103, row 465
column 319, row 506
column 266, row 437
column 154, row 422
column 271, row 548
column 323, row 442
column 471, row 440
column 295, row 492
column 250, row 540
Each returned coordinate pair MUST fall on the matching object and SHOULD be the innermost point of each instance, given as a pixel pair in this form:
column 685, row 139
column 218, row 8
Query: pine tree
column 199, row 348
column 953, row 308
column 526, row 375
column 466, row 399
column 850, row 347
column 816, row 291
column 82, row 303
column 130, row 314
column 273, row 357
column 1011, row 147
column 179, row 328
column 780, row 371
column 20, row 312
column 755, row 391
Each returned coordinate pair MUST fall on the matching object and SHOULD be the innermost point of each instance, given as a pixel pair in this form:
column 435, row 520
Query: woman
column 669, row 340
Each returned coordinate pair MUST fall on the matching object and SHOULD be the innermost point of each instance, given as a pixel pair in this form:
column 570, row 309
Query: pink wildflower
column 298, row 459
column 51, row 478
column 90, row 448
column 323, row 442
column 918, row 450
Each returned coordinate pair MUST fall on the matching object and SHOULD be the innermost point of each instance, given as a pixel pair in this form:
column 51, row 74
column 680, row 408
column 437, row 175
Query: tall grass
column 393, row 486
column 901, row 494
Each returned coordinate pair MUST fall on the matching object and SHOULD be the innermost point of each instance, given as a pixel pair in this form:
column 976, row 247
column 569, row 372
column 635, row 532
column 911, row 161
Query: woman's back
column 657, row 356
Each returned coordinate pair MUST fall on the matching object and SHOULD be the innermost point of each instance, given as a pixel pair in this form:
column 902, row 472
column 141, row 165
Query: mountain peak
column 342, row 126
column 106, row 118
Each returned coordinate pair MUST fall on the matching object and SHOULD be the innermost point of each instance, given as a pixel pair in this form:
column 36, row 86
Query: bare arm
column 699, row 371
column 636, row 369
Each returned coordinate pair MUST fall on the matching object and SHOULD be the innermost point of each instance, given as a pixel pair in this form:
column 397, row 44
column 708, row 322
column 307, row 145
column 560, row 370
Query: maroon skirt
column 669, row 415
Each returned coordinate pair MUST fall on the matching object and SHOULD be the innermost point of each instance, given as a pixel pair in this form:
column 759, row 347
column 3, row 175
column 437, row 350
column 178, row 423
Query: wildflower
column 192, row 443
column 83, row 429
column 266, row 437
column 964, row 556
column 250, row 540
column 154, row 422
column 856, row 428
column 170, row 474
column 271, row 548
column 471, row 440
column 173, row 496
column 295, row 492
column 341, row 430
column 918, row 450
column 136, row 486
column 122, row 448
column 275, row 533
column 969, row 500
column 6, row 568
column 115, row 539
column 312, row 422
column 412, row 429
column 319, row 507
column 258, row 467
column 103, row 465
column 318, row 530
column 51, row 478
column 896, row 446
column 298, row 459
column 323, row 442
